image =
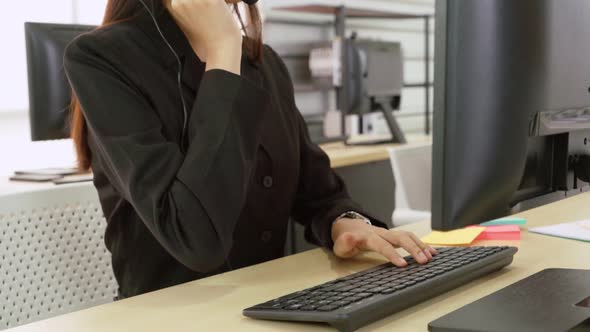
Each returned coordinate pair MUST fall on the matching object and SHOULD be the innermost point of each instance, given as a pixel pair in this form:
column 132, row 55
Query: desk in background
column 216, row 303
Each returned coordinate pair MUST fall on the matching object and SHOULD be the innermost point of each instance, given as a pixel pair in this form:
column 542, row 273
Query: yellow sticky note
column 453, row 238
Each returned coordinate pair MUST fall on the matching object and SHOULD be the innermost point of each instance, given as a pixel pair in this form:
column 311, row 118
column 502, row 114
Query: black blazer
column 224, row 203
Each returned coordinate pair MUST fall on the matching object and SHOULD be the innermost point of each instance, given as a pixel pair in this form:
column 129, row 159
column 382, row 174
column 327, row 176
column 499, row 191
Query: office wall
column 14, row 128
column 13, row 85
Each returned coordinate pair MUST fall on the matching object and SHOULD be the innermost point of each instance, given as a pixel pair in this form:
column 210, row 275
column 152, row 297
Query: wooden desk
column 216, row 303
column 343, row 156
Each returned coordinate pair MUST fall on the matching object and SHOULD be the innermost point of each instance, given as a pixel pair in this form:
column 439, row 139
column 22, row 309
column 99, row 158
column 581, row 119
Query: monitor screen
column 49, row 91
column 511, row 104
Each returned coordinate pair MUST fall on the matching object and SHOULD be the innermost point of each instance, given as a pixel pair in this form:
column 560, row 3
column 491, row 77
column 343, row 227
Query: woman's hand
column 352, row 236
column 212, row 31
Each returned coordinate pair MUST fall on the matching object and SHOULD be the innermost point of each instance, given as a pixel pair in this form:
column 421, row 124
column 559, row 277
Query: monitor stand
column 397, row 135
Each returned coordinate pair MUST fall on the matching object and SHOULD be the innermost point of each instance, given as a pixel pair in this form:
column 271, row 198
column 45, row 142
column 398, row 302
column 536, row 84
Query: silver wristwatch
column 355, row 215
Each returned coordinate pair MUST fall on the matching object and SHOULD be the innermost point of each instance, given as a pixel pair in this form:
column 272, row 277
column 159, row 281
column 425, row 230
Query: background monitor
column 49, row 91
column 512, row 106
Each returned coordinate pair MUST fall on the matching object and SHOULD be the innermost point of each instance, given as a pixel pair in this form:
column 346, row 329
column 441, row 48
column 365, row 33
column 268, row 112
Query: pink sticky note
column 503, row 232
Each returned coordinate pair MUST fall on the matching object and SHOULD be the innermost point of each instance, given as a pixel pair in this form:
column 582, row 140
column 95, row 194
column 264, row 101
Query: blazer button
column 266, row 236
column 267, row 182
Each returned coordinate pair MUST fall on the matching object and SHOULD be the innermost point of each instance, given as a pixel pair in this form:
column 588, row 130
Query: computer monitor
column 371, row 82
column 381, row 82
column 49, row 91
column 511, row 106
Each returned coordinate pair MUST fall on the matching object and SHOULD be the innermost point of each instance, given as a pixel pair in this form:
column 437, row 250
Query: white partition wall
column 53, row 259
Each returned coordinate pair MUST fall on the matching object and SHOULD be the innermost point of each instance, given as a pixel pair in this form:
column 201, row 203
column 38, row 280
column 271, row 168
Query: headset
column 179, row 75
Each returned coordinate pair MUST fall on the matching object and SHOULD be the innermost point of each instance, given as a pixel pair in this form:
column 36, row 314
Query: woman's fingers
column 412, row 247
column 430, row 251
column 378, row 244
column 405, row 240
column 351, row 243
column 347, row 245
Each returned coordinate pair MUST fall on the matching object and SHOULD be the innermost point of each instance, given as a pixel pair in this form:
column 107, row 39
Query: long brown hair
column 122, row 10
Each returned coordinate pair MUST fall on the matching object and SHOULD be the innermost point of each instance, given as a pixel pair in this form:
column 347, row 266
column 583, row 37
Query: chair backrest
column 412, row 170
column 53, row 257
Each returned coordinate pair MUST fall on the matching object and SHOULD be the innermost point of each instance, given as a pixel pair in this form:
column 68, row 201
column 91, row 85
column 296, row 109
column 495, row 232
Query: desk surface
column 349, row 155
column 217, row 302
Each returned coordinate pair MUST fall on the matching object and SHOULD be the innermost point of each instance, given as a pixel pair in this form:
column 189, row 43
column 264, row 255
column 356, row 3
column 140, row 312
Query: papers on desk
column 578, row 230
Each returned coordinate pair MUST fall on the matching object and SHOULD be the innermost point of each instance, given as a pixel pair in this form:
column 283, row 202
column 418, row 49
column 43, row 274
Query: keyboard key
column 341, row 303
column 354, row 299
column 377, row 289
column 346, row 288
column 328, row 307
column 323, row 302
column 294, row 307
column 388, row 290
column 363, row 289
column 309, row 307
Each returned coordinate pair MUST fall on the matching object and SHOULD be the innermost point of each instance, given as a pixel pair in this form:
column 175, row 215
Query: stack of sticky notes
column 459, row 237
column 501, row 229
column 503, row 232
column 505, row 221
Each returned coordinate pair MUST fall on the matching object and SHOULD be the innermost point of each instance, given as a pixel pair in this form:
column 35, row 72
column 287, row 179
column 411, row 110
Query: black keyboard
column 359, row 299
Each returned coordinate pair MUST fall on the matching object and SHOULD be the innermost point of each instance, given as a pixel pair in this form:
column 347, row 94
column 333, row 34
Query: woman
column 203, row 180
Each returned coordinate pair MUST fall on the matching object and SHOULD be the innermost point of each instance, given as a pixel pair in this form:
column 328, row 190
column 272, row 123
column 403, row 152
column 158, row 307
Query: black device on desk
column 552, row 300
column 351, row 302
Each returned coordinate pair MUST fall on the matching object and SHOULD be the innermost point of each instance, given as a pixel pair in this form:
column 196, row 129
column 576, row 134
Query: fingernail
column 427, row 253
column 422, row 257
column 401, row 262
column 434, row 251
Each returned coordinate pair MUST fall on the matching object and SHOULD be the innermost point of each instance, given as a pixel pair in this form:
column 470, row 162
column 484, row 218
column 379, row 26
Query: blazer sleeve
column 322, row 195
column 189, row 201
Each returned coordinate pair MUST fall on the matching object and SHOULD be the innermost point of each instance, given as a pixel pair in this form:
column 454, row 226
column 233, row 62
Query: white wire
column 179, row 76
column 151, row 12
